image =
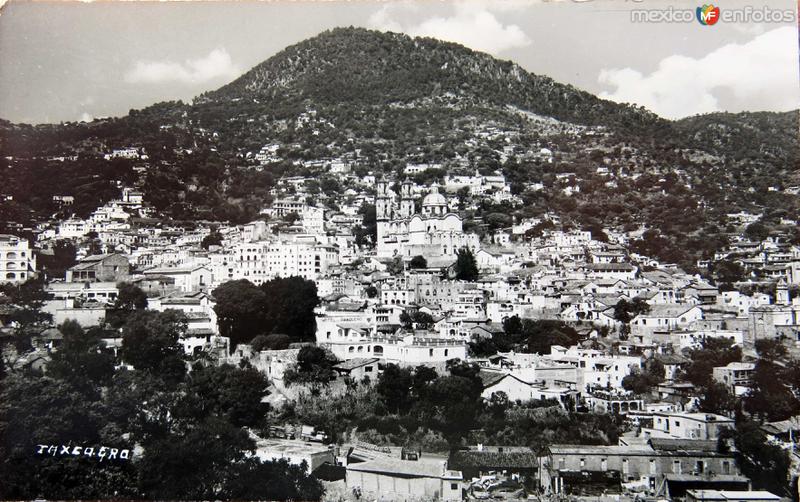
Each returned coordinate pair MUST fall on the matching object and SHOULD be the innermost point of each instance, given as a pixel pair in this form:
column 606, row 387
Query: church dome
column 434, row 198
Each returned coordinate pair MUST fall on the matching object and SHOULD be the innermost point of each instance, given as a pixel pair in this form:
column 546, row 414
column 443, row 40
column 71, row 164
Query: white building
column 402, row 231
column 17, row 262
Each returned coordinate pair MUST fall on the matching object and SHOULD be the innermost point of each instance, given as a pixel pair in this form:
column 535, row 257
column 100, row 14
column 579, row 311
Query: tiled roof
column 493, row 460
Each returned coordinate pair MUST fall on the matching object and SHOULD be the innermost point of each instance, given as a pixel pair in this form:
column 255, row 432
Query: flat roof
column 732, row 495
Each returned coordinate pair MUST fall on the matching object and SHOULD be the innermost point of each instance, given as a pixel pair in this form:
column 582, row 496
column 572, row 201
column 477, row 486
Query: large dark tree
column 289, row 307
column 240, row 310
column 466, row 268
column 765, row 464
column 150, row 342
column 771, row 396
column 82, row 359
column 227, row 391
column 130, row 297
column 394, row 388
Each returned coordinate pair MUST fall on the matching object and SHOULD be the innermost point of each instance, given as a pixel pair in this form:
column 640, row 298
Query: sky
column 70, row 61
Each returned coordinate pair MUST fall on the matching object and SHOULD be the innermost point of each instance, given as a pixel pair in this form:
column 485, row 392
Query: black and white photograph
column 400, row 250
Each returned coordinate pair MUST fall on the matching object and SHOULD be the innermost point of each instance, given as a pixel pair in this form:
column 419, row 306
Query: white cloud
column 472, row 25
column 761, row 74
column 217, row 65
column 86, row 117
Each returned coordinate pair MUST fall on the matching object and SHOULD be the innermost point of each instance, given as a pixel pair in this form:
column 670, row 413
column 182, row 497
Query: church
column 402, row 231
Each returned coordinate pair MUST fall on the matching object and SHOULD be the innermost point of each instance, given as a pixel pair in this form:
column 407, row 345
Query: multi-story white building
column 17, row 262
column 262, row 261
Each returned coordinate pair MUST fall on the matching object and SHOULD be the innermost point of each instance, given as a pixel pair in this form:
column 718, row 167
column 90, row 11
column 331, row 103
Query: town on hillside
column 383, row 268
column 386, row 347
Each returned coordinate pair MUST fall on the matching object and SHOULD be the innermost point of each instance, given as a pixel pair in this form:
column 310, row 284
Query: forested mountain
column 380, row 100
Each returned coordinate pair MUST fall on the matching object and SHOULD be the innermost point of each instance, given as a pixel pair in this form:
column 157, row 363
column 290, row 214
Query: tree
column 367, row 233
column 212, row 239
column 150, row 343
column 418, row 262
column 625, row 311
column 396, row 266
column 420, row 320
column 756, row 231
column 314, row 365
column 289, row 307
column 727, row 272
column 466, row 268
column 541, row 335
column 270, row 342
column 642, row 382
column 714, row 352
column 194, row 461
column 129, row 298
column 82, row 359
column 27, row 317
column 715, row 398
column 766, row 465
column 56, row 264
column 771, row 396
column 47, row 411
column 512, row 325
column 226, row 391
column 240, row 310
column 394, row 388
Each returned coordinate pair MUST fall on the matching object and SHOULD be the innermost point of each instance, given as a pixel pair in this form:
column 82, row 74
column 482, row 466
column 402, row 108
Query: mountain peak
column 371, row 68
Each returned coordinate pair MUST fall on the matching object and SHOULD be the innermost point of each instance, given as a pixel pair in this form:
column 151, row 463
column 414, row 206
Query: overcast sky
column 73, row 61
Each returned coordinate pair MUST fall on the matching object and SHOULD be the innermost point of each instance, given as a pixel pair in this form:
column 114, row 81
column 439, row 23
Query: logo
column 708, row 15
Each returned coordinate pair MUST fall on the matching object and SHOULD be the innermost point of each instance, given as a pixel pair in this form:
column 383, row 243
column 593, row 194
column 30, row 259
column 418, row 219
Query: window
column 603, row 464
column 726, row 467
column 625, row 465
column 700, row 467
column 454, row 486
column 367, row 369
column 676, row 466
column 583, row 463
column 561, row 463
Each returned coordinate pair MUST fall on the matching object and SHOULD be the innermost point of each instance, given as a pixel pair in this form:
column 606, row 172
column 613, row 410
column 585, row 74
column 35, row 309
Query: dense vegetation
column 188, row 430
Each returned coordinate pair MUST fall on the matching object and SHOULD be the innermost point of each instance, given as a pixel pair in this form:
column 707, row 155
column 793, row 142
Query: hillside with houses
column 439, row 277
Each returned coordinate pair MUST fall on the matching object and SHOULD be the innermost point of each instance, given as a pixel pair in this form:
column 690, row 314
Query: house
column 665, row 317
column 17, row 261
column 672, row 363
column 665, row 468
column 185, row 279
column 514, row 388
column 358, row 368
column 387, row 478
column 515, row 462
column 735, row 376
column 488, row 330
column 683, row 425
column 295, row 452
column 111, row 267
